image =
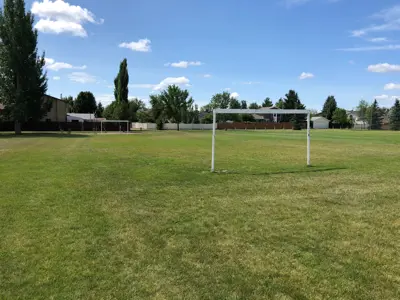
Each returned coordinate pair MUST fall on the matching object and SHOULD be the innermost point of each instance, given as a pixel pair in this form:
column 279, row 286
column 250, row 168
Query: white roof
column 319, row 118
column 82, row 116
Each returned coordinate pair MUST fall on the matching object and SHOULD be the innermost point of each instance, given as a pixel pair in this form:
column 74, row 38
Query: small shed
column 320, row 122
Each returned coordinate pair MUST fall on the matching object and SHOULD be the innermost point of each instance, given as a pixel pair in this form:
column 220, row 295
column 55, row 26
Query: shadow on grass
column 44, row 134
column 310, row 169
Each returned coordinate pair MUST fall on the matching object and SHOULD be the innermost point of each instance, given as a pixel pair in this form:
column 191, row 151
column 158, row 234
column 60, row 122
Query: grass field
column 141, row 217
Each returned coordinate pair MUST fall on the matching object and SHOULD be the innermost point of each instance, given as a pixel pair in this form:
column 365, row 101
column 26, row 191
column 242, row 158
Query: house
column 78, row 117
column 270, row 118
column 358, row 123
column 320, row 122
column 57, row 111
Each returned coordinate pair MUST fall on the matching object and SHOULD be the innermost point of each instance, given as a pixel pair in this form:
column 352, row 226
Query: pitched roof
column 82, row 116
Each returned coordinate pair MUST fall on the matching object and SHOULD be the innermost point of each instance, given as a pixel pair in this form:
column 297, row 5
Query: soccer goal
column 122, row 125
column 274, row 112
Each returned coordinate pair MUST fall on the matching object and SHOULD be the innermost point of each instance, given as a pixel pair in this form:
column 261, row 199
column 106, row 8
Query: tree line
column 23, row 84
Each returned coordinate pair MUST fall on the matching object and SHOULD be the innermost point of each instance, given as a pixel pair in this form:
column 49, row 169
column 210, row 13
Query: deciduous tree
column 85, row 103
column 340, row 117
column 176, row 103
column 99, row 110
column 23, row 82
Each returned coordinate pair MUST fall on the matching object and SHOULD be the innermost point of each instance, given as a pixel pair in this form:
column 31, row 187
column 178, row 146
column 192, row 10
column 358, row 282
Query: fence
column 58, row 126
column 240, row 125
column 171, row 126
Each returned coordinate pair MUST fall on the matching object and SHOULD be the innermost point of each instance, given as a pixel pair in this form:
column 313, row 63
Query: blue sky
column 254, row 49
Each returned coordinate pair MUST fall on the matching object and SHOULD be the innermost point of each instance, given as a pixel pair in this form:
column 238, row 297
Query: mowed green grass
column 141, row 217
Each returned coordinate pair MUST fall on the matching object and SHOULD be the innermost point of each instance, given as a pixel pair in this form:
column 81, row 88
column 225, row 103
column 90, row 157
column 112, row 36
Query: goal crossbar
column 114, row 121
column 260, row 111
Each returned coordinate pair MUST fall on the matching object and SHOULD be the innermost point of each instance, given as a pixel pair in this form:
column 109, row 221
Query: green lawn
column 141, row 217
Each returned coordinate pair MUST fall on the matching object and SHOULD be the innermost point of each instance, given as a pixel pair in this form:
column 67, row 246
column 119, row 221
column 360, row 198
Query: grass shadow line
column 43, row 134
column 311, row 169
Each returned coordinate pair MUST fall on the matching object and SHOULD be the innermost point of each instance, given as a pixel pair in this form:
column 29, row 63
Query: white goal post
column 260, row 111
column 115, row 121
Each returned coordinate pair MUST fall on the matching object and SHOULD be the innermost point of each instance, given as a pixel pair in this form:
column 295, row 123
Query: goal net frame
column 115, row 121
column 260, row 111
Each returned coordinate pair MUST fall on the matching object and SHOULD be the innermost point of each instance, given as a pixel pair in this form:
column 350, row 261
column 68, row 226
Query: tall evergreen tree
column 121, row 82
column 23, row 82
column 99, row 110
column 394, row 118
column 329, row 108
column 376, row 116
column 292, row 101
column 243, row 104
column 267, row 103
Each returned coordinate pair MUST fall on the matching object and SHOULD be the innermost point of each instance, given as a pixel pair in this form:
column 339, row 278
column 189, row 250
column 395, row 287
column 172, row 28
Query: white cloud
column 51, row 64
column 371, row 48
column 143, row 45
column 82, row 77
column 383, row 68
column 56, row 78
column 207, row 76
column 392, row 86
column 305, row 75
column 386, row 97
column 61, row 17
column 227, row 89
column 105, row 99
column 389, row 21
column 184, row 64
column 181, row 81
column 235, row 95
column 378, row 40
column 142, row 85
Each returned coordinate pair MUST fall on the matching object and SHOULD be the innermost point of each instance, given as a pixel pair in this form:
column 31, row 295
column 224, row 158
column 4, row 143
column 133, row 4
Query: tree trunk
column 17, row 127
column 177, row 124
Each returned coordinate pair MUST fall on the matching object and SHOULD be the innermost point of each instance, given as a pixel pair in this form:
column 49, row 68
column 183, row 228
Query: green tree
column 292, row 101
column 23, row 80
column 176, row 103
column 234, row 104
column 394, row 117
column 280, row 103
column 121, row 82
column 267, row 103
column 243, row 104
column 340, row 117
column 158, row 110
column 376, row 117
column 363, row 111
column 254, row 105
column 85, row 103
column 220, row 100
column 329, row 108
column 134, row 105
column 99, row 110
column 145, row 116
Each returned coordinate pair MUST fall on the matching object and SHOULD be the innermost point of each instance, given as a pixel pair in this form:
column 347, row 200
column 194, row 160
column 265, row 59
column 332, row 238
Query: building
column 77, row 117
column 58, row 110
column 320, row 123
